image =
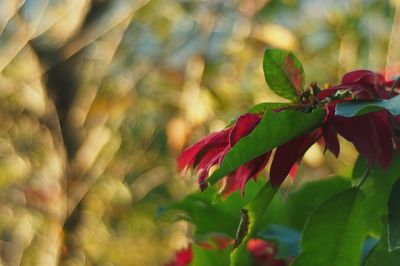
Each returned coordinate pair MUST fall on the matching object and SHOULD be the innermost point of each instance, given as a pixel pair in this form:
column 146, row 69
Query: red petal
column 362, row 132
column 239, row 178
column 201, row 148
column 288, row 154
column 331, row 139
column 385, row 135
column 244, row 125
column 358, row 75
column 366, row 82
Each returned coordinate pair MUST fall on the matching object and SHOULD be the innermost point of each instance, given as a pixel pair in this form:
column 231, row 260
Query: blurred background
column 98, row 97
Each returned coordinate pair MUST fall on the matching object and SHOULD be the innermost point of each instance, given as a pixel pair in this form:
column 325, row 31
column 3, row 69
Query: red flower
column 371, row 134
column 361, row 85
column 211, row 150
column 182, row 258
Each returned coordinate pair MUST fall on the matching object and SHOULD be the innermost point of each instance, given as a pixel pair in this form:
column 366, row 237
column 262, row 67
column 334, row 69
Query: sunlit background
column 97, row 98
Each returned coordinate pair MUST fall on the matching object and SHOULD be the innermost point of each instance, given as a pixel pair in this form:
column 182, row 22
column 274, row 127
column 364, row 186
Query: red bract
column 361, row 85
column 211, row 150
column 371, row 134
column 182, row 258
column 287, row 155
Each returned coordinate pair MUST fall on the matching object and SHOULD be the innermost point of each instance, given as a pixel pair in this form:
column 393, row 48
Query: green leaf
column 303, row 201
column 377, row 187
column 273, row 130
column 202, row 256
column 381, row 256
column 260, row 108
column 255, row 211
column 351, row 109
column 266, row 107
column 335, row 231
column 394, row 217
column 210, row 213
column 283, row 73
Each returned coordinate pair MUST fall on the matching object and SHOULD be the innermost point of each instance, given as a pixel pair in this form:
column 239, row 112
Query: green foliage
column 380, row 256
column 335, row 232
column 273, row 130
column 376, row 188
column 283, row 73
column 266, row 107
column 350, row 109
column 255, row 211
column 211, row 213
column 303, row 201
column 202, row 256
column 394, row 217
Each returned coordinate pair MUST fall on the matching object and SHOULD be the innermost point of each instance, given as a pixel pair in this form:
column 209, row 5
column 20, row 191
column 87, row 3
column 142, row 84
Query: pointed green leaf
column 351, row 109
column 273, row 130
column 335, row 231
column 394, row 217
column 283, row 73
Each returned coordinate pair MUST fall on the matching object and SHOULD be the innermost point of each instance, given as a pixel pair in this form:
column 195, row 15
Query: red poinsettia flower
column 182, row 258
column 371, row 134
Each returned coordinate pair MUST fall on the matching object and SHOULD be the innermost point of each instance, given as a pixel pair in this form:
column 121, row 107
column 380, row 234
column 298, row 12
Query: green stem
column 249, row 225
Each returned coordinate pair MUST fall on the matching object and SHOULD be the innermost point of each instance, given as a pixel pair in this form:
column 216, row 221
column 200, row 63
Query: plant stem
column 249, row 225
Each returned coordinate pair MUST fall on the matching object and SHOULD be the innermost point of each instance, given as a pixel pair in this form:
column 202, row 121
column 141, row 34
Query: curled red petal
column 206, row 146
column 238, row 179
column 244, row 125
